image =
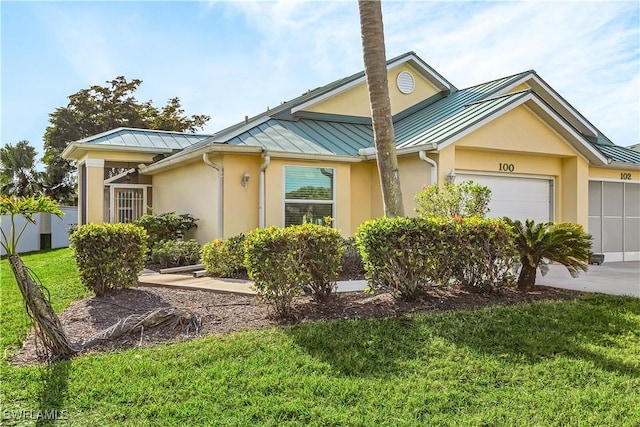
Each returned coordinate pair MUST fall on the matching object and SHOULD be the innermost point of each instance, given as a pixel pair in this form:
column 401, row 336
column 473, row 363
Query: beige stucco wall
column 522, row 139
column 611, row 174
column 191, row 189
column 120, row 156
column 518, row 130
column 355, row 101
column 414, row 174
column 361, row 194
column 95, row 193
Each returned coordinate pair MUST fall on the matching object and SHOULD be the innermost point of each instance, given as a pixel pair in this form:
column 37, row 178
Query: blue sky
column 231, row 59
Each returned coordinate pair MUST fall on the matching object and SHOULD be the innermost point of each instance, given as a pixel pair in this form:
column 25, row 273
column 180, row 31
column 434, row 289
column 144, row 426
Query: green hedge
column 322, row 248
column 409, row 255
column 284, row 262
column 166, row 226
column 175, row 253
column 224, row 257
column 109, row 256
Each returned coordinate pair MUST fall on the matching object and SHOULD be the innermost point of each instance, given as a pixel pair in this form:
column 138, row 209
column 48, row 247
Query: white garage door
column 516, row 197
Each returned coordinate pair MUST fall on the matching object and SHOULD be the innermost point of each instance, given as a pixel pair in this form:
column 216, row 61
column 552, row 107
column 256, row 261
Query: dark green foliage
column 109, row 256
column 166, row 226
column 323, row 249
column 18, row 175
column 274, row 262
column 175, row 253
column 565, row 243
column 224, row 257
column 352, row 266
column 99, row 109
column 283, row 262
column 410, row 255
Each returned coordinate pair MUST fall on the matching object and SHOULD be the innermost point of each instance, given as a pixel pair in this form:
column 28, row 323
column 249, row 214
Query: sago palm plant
column 565, row 243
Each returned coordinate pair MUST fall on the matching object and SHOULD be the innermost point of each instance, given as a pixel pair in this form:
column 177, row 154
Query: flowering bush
column 465, row 200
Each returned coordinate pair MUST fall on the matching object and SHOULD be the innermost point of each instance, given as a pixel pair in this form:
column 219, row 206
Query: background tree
column 375, row 68
column 18, row 175
column 99, row 109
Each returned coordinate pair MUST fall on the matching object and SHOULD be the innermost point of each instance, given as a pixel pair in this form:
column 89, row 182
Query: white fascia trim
column 84, row 146
column 411, row 58
column 120, row 175
column 427, row 146
column 622, row 166
column 417, row 63
column 576, row 115
column 314, row 157
column 94, row 163
column 531, row 97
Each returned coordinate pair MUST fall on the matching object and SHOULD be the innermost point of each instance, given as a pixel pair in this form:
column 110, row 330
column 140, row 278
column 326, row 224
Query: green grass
column 556, row 363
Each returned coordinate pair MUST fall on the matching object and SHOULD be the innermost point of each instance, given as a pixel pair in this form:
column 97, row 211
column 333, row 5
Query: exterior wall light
column 245, row 179
column 451, row 177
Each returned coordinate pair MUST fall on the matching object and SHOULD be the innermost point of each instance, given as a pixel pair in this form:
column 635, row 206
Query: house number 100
column 507, row 167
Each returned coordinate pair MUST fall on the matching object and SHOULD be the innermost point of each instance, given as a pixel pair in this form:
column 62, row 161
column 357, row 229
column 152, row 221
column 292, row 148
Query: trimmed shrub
column 465, row 199
column 224, row 257
column 274, row 258
column 166, row 226
column 109, row 256
column 352, row 266
column 322, row 248
column 409, row 255
column 175, row 253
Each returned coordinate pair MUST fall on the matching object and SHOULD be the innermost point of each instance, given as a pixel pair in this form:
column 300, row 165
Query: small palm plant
column 565, row 243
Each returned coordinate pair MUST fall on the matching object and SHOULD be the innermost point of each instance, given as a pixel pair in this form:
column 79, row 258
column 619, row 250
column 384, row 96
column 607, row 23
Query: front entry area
column 516, row 197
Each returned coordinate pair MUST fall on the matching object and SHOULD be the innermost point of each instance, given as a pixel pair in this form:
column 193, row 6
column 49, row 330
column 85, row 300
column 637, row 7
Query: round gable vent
column 406, row 82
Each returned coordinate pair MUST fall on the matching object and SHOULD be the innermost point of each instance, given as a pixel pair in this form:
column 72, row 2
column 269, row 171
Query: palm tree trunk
column 47, row 325
column 375, row 68
column 527, row 277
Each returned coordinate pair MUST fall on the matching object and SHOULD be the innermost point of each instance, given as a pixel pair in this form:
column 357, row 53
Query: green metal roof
column 308, row 136
column 620, row 154
column 145, row 138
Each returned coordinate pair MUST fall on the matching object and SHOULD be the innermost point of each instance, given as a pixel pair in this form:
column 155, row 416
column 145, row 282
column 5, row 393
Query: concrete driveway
column 615, row 278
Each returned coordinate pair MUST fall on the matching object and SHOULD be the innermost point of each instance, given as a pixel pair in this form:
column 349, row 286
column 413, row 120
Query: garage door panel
column 612, row 235
column 595, row 229
column 515, row 197
column 632, row 234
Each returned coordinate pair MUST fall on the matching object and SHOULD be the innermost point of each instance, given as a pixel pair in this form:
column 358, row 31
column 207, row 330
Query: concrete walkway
column 184, row 281
column 615, row 278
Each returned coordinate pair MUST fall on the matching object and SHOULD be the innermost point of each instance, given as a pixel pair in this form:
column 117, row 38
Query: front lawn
column 553, row 363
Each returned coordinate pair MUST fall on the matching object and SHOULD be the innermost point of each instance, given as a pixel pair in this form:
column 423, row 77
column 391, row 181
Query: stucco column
column 446, row 163
column 94, row 191
column 574, row 192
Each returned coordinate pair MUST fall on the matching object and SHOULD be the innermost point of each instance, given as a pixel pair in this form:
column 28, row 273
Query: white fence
column 46, row 224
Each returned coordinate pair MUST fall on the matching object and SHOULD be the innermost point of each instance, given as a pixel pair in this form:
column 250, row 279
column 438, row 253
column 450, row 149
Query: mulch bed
column 223, row 313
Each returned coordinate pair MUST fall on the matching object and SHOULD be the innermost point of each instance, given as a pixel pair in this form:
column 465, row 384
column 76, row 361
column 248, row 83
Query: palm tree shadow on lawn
column 520, row 334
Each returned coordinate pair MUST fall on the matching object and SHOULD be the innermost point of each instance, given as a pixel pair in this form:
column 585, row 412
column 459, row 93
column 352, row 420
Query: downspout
column 262, row 190
column 218, row 168
column 434, row 167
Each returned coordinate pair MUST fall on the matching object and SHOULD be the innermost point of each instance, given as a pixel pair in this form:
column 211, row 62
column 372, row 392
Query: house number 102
column 506, row 167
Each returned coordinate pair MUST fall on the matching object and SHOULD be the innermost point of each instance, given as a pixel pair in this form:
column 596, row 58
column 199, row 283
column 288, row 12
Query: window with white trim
column 309, row 194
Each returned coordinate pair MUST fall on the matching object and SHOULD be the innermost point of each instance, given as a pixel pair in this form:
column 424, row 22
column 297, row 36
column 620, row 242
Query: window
column 125, row 202
column 308, row 194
